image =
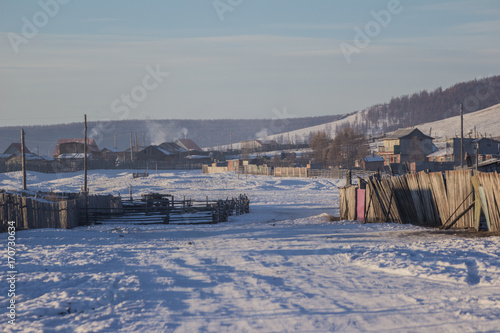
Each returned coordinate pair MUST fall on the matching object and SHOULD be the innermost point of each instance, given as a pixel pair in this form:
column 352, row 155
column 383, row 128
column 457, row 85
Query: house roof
column 489, row 162
column 111, row 150
column 166, row 148
column 442, row 152
column 164, row 151
column 16, row 148
column 188, row 144
column 72, row 155
column 485, row 139
column 195, row 157
column 172, row 147
column 403, row 133
column 5, row 156
column 373, row 158
column 27, row 156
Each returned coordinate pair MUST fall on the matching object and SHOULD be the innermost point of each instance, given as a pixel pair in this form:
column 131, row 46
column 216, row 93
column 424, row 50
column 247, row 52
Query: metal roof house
column 371, row 162
column 406, row 145
column 485, row 147
column 74, row 148
column 167, row 151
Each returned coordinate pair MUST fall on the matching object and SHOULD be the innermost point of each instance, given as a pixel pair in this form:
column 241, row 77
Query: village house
column 33, row 162
column 234, row 164
column 115, row 154
column 16, row 148
column 74, row 149
column 165, row 152
column 486, row 148
column 406, row 145
column 259, row 145
column 371, row 163
column 11, row 159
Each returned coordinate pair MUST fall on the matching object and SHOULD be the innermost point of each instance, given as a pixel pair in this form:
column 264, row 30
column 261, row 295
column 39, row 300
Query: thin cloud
column 101, row 19
column 466, row 6
column 478, row 27
column 340, row 27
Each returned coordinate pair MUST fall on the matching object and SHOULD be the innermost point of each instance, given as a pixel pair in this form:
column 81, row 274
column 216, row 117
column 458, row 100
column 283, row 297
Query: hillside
column 419, row 108
column 426, row 106
column 486, row 122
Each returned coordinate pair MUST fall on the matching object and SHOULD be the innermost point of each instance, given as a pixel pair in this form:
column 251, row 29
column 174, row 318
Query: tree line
column 424, row 106
column 348, row 146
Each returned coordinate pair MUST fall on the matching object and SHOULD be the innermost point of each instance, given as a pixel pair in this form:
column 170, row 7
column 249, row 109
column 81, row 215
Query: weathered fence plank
column 428, row 199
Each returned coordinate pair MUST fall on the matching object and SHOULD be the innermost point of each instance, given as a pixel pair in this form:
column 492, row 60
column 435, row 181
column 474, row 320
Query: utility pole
column 85, row 189
column 23, row 159
column 115, row 141
column 85, row 154
column 461, row 135
column 131, row 149
column 477, row 155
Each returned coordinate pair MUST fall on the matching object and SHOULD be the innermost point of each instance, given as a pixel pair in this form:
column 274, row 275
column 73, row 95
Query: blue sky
column 233, row 58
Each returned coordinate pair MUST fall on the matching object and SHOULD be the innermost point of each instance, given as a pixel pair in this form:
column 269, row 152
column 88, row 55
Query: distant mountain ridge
column 43, row 138
column 399, row 112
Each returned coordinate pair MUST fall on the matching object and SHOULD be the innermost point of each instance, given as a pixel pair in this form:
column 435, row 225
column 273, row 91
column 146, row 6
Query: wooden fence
column 290, row 172
column 50, row 210
column 31, row 212
column 264, row 170
column 74, row 165
column 339, row 173
column 213, row 169
column 253, row 169
column 454, row 199
column 155, row 208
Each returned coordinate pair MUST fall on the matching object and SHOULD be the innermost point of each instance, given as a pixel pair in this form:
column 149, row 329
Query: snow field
column 285, row 267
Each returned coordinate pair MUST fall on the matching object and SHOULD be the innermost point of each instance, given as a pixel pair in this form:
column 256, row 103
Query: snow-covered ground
column 285, row 267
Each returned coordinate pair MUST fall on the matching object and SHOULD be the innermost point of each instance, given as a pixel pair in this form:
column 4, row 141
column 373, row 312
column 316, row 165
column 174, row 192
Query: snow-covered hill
column 486, row 122
column 331, row 128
